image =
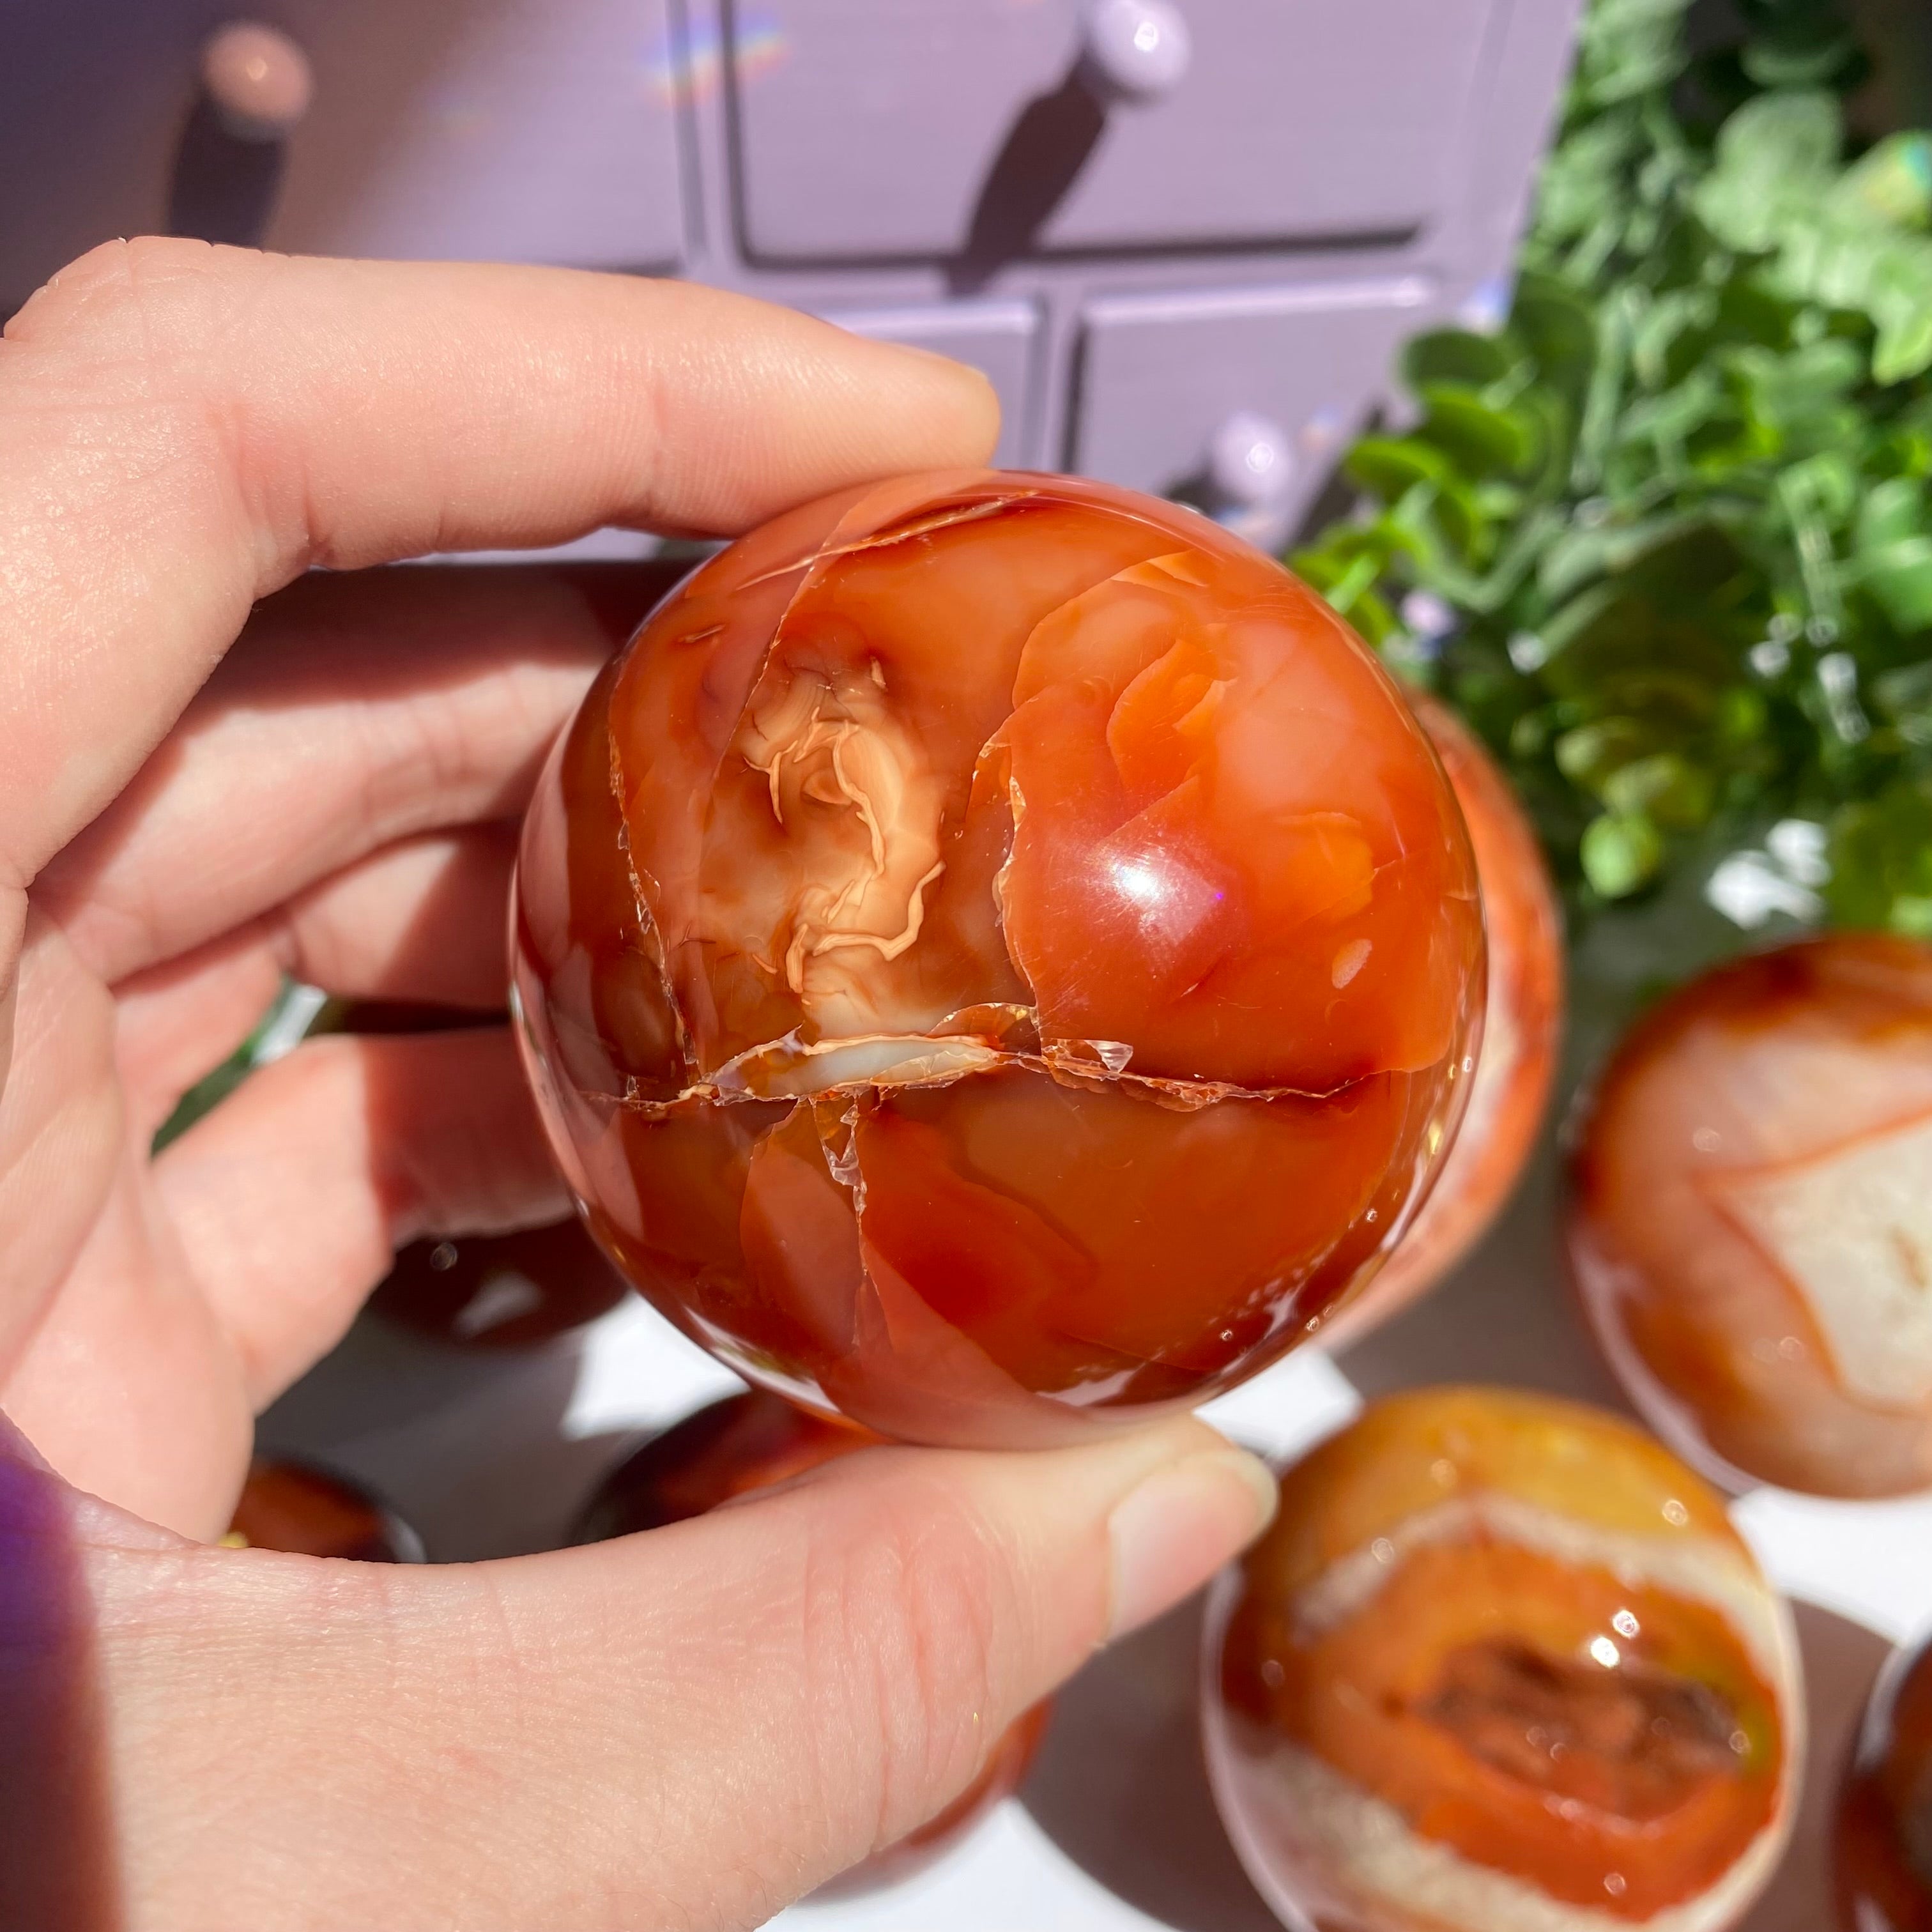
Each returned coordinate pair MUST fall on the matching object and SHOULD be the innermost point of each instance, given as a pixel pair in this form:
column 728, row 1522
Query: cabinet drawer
column 868, row 128
column 1160, row 375
column 510, row 130
column 500, row 130
column 995, row 337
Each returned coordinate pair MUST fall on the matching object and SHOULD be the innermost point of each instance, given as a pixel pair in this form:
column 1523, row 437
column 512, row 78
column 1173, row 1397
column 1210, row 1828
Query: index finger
column 187, row 428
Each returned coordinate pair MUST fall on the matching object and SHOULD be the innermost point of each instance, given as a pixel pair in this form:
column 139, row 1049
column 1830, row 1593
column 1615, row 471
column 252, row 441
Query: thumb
column 689, row 1728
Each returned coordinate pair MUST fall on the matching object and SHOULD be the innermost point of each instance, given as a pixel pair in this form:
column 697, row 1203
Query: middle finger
column 358, row 709
column 419, row 924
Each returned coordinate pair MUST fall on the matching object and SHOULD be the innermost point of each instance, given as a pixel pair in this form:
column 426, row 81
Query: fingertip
column 884, row 409
column 1179, row 1526
column 965, row 405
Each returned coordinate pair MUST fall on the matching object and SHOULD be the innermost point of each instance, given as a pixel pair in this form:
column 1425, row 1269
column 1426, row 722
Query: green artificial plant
column 1665, row 538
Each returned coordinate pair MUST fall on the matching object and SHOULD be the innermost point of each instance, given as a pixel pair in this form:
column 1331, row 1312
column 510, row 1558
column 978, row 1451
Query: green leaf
column 1390, row 466
column 1372, row 616
column 1891, row 183
column 1620, row 853
column 1676, row 553
column 1559, row 330
column 1799, row 400
column 1801, row 60
column 1880, row 850
column 1785, row 138
column 1455, row 355
column 1555, row 430
column 1831, row 481
column 1630, row 47
column 1443, row 529
column 1893, row 511
column 1591, row 754
column 1775, row 156
column 1672, row 316
column 1904, row 347
column 1742, row 716
column 1741, row 212
column 1678, row 414
column 1911, row 915
column 1664, row 787
column 1899, row 578
column 1750, row 311
column 1482, row 441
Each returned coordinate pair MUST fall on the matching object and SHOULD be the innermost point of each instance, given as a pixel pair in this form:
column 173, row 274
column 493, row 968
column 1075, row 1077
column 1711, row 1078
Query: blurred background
column 1578, row 352
column 1188, row 259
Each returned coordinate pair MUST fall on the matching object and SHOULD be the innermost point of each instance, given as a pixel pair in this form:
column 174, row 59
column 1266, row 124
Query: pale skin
column 684, row 1730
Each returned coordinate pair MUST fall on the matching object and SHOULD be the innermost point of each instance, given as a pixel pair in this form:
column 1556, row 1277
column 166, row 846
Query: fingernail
column 1173, row 1532
column 951, row 363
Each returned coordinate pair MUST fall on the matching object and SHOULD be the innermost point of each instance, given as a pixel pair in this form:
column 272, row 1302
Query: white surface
column 1115, row 1830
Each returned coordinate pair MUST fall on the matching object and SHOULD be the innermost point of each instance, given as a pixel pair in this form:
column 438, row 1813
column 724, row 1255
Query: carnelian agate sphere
column 718, row 1454
column 1500, row 1665
column 500, row 1291
column 995, row 954
column 1522, row 1028
column 748, row 1442
column 291, row 1507
column 1883, row 1851
column 1750, row 1224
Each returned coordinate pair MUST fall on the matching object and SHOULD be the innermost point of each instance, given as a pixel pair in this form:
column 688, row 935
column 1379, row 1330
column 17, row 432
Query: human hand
column 684, row 1728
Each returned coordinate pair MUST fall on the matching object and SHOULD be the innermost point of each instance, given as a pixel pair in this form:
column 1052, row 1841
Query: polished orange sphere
column 1522, row 1027
column 1882, row 1854
column 513, row 1291
column 307, row 1512
column 1750, row 1222
column 1502, row 1665
column 748, row 1442
column 995, row 954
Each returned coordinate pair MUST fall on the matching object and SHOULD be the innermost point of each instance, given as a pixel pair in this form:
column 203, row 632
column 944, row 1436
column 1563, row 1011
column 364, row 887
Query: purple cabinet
column 1184, row 261
column 872, row 129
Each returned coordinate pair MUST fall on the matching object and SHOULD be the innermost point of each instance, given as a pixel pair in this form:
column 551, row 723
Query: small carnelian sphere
column 1751, row 1224
column 501, row 1291
column 1883, row 1850
column 1500, row 1665
column 995, row 954
column 748, row 1442
column 1522, row 1028
column 289, row 1506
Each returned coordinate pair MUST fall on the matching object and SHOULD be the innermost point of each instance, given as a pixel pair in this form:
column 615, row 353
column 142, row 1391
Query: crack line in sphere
column 654, row 954
column 828, row 552
column 1062, row 1062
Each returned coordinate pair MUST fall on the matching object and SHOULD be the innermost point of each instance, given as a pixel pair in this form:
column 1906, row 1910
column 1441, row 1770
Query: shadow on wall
column 1051, row 140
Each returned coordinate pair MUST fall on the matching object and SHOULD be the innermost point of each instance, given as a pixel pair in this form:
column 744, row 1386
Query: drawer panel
column 996, row 338
column 93, row 94
column 508, row 130
column 867, row 129
column 500, row 130
column 1160, row 376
